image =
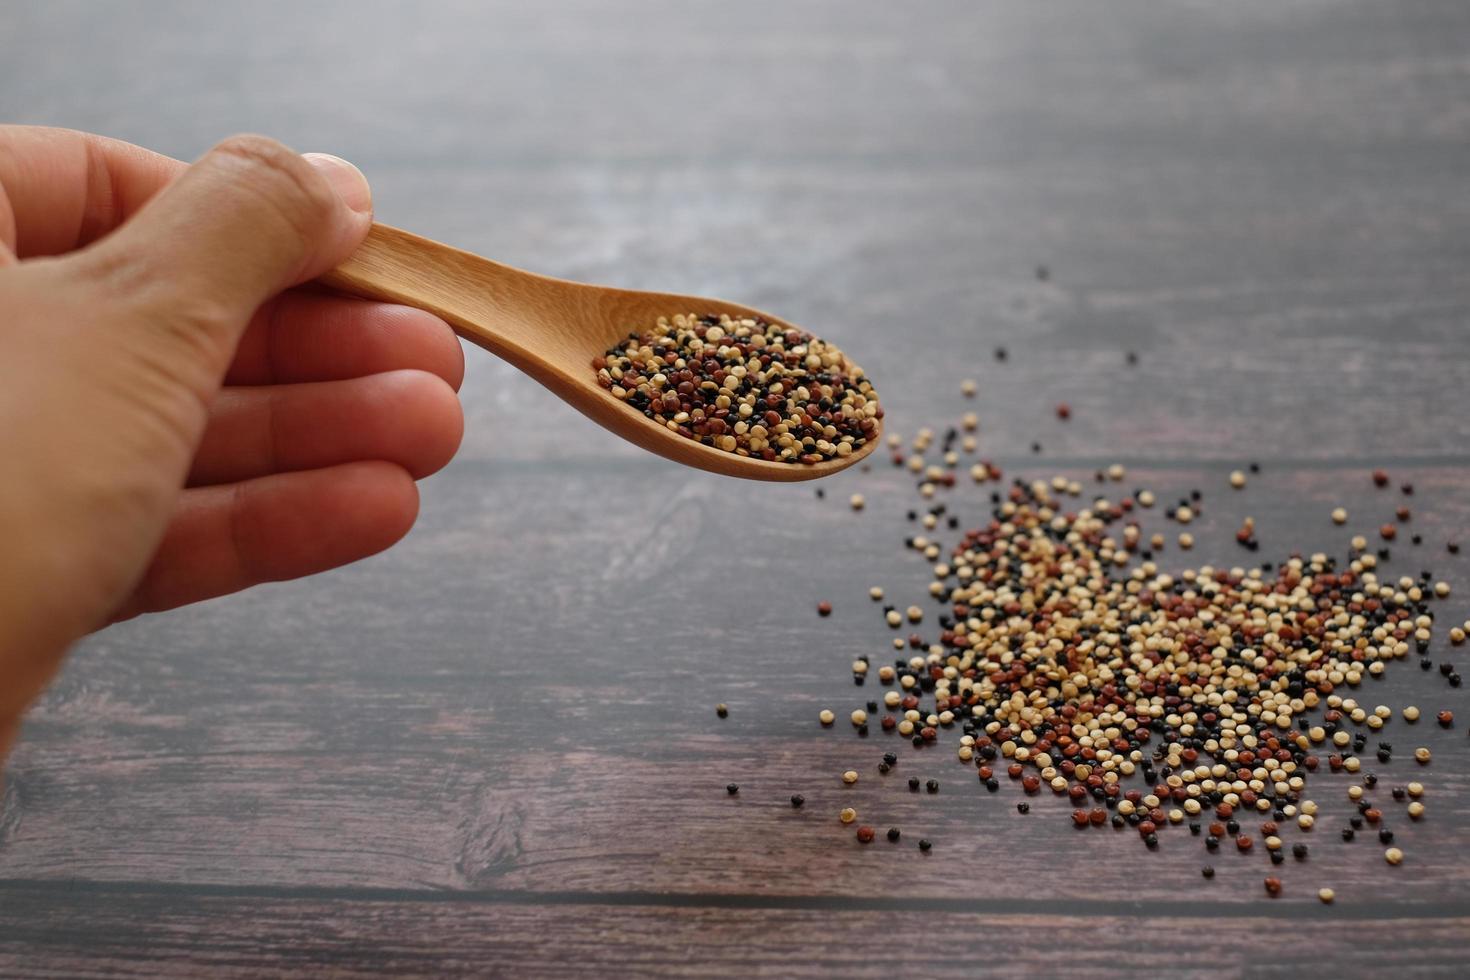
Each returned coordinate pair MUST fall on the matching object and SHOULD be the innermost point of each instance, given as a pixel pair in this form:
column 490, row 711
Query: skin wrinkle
column 239, row 494
column 274, row 419
column 98, row 214
column 273, row 334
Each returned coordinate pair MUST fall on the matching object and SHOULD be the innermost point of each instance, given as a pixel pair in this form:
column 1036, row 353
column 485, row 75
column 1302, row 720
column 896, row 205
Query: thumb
column 247, row 220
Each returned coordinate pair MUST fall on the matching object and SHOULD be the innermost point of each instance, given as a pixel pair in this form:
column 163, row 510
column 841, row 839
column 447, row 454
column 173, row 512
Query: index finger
column 61, row 189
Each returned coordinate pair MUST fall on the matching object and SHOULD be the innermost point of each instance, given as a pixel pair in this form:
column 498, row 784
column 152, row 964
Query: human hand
column 173, row 425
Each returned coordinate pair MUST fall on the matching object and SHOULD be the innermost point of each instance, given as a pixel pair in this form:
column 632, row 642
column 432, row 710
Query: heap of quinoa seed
column 744, row 386
column 1204, row 699
column 1062, row 660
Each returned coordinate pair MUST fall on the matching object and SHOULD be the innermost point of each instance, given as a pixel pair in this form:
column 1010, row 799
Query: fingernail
column 349, row 183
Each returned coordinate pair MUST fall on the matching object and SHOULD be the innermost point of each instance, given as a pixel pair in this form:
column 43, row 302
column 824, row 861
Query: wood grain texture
column 143, row 932
column 494, row 749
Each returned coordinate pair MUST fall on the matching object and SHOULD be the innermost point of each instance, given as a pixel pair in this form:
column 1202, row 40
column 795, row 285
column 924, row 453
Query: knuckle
column 282, row 178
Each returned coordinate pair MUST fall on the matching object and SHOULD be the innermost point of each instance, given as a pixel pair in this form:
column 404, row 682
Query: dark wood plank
column 495, row 749
column 151, row 933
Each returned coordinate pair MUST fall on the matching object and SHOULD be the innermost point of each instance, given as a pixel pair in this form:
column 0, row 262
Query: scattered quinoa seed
column 797, row 800
column 824, row 609
column 732, row 789
column 856, row 501
column 1339, row 515
column 850, row 777
column 968, row 388
column 1393, row 855
column 826, row 717
column 1237, row 479
column 1326, row 895
column 722, row 710
column 848, row 815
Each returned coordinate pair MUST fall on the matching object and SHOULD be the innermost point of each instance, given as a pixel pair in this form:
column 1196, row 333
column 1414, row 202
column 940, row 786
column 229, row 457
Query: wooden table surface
column 494, row 750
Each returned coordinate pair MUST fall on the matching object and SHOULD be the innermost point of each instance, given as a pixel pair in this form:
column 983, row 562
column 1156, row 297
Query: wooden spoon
column 552, row 329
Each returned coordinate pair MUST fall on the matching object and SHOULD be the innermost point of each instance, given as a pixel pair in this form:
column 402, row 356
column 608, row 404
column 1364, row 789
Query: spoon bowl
column 552, row 329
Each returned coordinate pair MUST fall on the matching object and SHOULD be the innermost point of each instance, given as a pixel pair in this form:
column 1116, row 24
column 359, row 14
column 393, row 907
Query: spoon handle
column 469, row 292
